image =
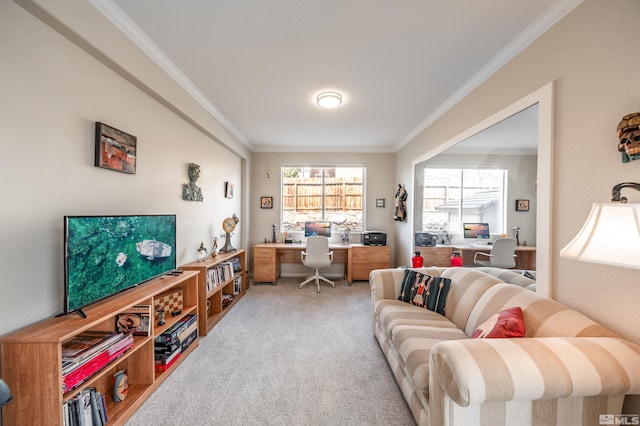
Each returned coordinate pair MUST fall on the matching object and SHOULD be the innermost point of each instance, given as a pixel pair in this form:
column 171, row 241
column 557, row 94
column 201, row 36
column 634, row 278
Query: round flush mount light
column 329, row 100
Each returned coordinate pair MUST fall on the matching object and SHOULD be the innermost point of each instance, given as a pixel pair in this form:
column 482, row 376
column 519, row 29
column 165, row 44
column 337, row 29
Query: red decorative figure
column 417, row 260
column 456, row 259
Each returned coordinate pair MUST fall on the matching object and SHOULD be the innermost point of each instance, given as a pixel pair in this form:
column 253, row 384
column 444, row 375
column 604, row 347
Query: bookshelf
column 212, row 292
column 31, row 358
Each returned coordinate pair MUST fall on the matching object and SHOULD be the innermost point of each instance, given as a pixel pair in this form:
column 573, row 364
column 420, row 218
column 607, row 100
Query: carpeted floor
column 284, row 356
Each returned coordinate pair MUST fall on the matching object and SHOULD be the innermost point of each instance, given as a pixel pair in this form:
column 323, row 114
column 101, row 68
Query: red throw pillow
column 506, row 323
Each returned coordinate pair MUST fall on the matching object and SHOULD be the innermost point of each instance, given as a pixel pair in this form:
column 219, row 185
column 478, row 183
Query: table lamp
column 611, row 234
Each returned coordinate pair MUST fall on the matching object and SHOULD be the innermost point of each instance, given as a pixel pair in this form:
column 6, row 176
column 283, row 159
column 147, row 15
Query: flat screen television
column 317, row 227
column 476, row 230
column 105, row 255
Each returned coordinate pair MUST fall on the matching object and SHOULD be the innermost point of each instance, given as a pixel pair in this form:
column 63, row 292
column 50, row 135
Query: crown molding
column 114, row 14
column 517, row 45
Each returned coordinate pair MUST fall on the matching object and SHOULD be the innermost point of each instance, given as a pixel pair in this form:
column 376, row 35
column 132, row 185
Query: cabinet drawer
column 264, row 252
column 373, row 255
column 361, row 271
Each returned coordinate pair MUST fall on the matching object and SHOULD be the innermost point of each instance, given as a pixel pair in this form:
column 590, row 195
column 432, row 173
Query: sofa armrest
column 477, row 371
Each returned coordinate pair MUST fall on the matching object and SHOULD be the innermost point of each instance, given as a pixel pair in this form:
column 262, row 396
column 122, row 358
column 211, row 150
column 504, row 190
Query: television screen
column 317, row 227
column 476, row 230
column 105, row 255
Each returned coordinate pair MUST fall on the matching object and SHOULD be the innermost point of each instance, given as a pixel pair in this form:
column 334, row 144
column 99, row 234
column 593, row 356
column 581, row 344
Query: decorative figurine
column 214, row 249
column 629, row 134
column 273, row 232
column 161, row 320
column 190, row 191
column 120, row 385
column 202, row 251
column 400, row 213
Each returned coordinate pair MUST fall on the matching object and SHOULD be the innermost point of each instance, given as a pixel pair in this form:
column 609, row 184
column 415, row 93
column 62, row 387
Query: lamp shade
column 610, row 236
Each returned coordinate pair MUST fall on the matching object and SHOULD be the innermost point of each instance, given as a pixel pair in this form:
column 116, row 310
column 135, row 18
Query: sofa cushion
column 506, row 323
column 424, row 290
column 392, row 313
column 543, row 317
column 414, row 343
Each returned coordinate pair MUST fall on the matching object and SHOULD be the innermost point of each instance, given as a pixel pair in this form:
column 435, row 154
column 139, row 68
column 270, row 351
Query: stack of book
column 173, row 342
column 87, row 408
column 88, row 352
column 219, row 274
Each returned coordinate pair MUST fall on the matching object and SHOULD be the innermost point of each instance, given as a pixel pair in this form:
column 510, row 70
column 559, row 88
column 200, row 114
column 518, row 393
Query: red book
column 161, row 368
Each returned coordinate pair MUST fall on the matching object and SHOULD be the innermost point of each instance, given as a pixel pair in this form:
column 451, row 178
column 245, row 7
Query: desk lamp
column 611, row 234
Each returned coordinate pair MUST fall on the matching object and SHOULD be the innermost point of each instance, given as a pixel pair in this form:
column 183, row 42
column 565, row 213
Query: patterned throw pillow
column 506, row 323
column 424, row 290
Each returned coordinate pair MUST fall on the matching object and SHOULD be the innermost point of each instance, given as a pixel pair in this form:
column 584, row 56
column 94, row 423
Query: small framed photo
column 228, row 190
column 266, row 202
column 379, row 202
column 522, row 205
column 115, row 149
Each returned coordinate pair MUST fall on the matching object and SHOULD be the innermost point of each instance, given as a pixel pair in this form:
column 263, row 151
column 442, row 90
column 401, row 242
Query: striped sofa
column 567, row 370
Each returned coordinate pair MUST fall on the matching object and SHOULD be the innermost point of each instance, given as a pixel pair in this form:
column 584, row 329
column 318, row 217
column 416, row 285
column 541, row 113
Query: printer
column 374, row 238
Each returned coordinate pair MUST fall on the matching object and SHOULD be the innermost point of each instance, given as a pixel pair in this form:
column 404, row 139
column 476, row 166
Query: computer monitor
column 317, row 227
column 476, row 230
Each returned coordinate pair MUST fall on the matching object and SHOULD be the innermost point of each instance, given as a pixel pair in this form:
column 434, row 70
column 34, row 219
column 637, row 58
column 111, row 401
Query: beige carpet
column 284, row 356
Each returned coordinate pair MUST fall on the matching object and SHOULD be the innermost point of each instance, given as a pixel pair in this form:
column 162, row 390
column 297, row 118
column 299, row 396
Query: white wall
column 590, row 58
column 51, row 94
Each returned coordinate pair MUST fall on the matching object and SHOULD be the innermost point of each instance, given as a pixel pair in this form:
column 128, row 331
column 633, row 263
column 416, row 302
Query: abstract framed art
column 115, row 149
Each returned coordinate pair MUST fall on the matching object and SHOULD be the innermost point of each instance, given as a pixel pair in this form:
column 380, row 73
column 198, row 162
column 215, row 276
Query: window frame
column 457, row 229
column 285, row 227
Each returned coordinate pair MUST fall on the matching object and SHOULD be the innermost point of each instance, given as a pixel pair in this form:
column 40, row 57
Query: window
column 322, row 193
column 453, row 196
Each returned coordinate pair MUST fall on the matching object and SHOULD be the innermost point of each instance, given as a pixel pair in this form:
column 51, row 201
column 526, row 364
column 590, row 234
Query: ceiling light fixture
column 329, row 100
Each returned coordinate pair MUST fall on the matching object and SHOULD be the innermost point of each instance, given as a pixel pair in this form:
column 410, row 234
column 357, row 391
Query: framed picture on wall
column 228, row 190
column 115, row 149
column 522, row 205
column 266, row 202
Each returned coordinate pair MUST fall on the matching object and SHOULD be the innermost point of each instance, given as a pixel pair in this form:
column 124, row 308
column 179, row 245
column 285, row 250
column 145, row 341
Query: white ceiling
column 258, row 64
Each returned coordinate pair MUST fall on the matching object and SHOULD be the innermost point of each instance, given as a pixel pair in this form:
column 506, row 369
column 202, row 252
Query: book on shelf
column 88, row 342
column 162, row 367
column 164, row 359
column 86, row 408
column 89, row 368
column 70, row 364
column 85, row 404
column 218, row 274
column 237, row 285
column 237, row 267
column 135, row 320
column 171, row 334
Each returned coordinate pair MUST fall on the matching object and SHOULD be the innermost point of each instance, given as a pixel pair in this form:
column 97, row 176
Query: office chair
column 503, row 254
column 317, row 256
